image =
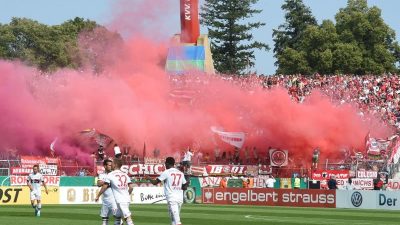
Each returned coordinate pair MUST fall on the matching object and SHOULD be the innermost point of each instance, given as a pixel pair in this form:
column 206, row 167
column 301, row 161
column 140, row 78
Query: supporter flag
column 278, row 157
column 198, row 170
column 100, row 138
column 144, row 150
column 52, row 149
column 233, row 138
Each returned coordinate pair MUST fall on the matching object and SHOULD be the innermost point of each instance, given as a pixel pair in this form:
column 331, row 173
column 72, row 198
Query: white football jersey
column 107, row 195
column 188, row 156
column 35, row 180
column 119, row 183
column 173, row 180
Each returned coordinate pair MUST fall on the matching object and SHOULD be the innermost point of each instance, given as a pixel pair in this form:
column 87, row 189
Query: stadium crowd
column 375, row 95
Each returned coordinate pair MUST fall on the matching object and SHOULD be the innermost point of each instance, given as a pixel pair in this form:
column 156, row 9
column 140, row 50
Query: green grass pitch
column 199, row 215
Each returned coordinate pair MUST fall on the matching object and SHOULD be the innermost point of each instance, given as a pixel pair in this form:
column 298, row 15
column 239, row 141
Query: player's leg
column 104, row 213
column 39, row 205
column 171, row 216
column 126, row 213
column 175, row 212
column 117, row 214
column 33, row 204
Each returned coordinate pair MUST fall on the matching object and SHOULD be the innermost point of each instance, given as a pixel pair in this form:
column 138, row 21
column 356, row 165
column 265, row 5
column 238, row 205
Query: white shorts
column 36, row 195
column 108, row 209
column 174, row 209
column 123, row 210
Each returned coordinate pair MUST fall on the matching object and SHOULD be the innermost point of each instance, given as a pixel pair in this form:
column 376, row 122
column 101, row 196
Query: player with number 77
column 174, row 183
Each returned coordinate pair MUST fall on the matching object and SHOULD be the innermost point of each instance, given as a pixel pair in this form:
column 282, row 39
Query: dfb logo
column 356, row 199
column 208, row 195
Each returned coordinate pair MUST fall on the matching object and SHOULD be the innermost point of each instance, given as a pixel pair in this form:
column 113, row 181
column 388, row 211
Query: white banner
column 210, row 181
column 393, row 184
column 278, row 157
column 358, row 183
column 78, row 195
column 87, row 195
column 233, row 138
column 148, row 195
column 50, row 170
column 367, row 174
column 22, row 180
column 368, row 199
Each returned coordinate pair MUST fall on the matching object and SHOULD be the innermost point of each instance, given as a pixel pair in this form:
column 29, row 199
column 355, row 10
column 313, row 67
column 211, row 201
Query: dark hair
column 37, row 166
column 170, row 161
column 106, row 161
column 117, row 162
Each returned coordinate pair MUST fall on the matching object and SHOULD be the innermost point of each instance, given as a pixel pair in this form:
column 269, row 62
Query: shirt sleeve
column 183, row 179
column 163, row 176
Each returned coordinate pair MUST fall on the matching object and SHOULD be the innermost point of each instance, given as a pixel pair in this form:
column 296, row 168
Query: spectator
column 297, row 182
column 223, row 183
column 332, row 184
column 378, row 184
column 350, row 185
column 270, row 182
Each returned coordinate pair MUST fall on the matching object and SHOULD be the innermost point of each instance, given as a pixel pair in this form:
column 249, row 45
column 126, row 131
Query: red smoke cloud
column 130, row 101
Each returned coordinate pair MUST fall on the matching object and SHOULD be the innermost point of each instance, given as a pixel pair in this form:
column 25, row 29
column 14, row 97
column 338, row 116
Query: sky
column 57, row 11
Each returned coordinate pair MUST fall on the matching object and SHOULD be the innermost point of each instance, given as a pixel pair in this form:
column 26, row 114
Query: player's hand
column 47, row 192
column 97, row 199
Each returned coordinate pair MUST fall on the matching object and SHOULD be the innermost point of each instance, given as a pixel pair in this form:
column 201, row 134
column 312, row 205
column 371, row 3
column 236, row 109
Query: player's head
column 35, row 169
column 117, row 163
column 169, row 162
column 107, row 165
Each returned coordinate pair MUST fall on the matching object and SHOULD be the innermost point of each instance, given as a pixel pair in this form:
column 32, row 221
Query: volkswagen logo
column 356, row 199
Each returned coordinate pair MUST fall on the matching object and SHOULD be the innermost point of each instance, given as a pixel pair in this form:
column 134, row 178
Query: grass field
column 199, row 215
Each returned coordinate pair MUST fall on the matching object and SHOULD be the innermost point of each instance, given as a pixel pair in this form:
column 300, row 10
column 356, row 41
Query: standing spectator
column 378, row 184
column 332, row 184
column 349, row 185
column 315, row 158
column 223, row 183
column 117, row 151
column 297, row 182
column 217, row 155
column 255, row 155
column 187, row 160
column 270, row 182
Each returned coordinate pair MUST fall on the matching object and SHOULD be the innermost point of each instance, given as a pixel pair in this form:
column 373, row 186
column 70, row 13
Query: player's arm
column 130, row 185
column 185, row 183
column 45, row 187
column 102, row 190
column 100, row 183
column 29, row 182
column 153, row 181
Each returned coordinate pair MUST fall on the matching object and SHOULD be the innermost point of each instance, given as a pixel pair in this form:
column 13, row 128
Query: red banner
column 143, row 169
column 30, row 161
column 214, row 170
column 22, row 180
column 326, row 174
column 21, row 171
column 269, row 197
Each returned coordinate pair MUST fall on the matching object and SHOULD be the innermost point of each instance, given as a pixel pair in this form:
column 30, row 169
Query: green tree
column 365, row 29
column 232, row 42
column 51, row 47
column 292, row 62
column 297, row 18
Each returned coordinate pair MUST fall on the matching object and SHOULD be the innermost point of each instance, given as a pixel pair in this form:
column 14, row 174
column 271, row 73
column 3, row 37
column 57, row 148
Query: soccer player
column 121, row 187
column 109, row 205
column 34, row 181
column 174, row 184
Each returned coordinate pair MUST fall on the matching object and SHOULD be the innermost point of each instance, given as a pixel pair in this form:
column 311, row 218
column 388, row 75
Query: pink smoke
column 130, row 101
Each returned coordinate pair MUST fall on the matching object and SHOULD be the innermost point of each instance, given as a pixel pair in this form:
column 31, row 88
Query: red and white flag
column 233, row 138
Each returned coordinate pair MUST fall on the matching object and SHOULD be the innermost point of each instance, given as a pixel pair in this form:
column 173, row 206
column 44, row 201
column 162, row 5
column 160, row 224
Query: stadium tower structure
column 190, row 51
